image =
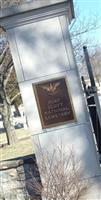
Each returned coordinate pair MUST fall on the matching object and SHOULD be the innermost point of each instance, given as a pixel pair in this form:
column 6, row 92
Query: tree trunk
column 5, row 110
column 17, row 110
column 9, row 128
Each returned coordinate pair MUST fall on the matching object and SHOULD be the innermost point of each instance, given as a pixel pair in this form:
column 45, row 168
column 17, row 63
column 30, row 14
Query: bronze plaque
column 54, row 102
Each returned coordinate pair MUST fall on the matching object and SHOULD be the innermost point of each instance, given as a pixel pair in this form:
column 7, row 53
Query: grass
column 21, row 148
column 21, row 133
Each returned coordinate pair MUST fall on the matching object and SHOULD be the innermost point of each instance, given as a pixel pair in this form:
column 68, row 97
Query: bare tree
column 95, row 58
column 82, row 30
column 6, row 64
column 96, row 63
column 61, row 176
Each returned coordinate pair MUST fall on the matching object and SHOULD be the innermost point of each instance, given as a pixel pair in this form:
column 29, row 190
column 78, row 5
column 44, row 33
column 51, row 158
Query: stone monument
column 49, row 82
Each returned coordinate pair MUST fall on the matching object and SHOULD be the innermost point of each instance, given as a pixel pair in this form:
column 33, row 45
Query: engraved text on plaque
column 54, row 102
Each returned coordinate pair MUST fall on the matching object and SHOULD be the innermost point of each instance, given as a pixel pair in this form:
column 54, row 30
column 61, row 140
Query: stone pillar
column 49, row 81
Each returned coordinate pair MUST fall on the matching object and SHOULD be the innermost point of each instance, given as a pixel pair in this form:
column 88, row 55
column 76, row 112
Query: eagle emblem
column 51, row 88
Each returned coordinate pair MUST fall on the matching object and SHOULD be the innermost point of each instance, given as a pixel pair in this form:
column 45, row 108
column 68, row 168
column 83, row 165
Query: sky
column 89, row 8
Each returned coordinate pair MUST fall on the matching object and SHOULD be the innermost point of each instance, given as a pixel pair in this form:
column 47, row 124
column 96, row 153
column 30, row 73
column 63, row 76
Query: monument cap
column 36, row 7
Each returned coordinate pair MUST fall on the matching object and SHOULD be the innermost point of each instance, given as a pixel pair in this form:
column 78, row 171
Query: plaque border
column 39, row 108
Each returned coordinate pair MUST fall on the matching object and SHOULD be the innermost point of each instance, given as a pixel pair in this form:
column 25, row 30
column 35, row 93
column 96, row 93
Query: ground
column 21, row 148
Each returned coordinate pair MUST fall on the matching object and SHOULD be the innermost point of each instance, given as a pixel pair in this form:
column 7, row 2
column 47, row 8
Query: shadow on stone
column 20, row 179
